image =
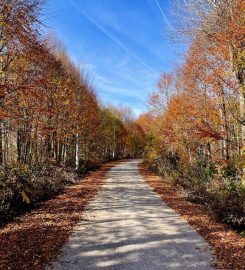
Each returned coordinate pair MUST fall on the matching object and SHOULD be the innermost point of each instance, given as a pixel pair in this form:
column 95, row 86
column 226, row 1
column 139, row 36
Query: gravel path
column 128, row 227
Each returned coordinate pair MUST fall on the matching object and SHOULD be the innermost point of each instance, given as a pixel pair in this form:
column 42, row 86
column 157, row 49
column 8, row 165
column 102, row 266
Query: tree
column 219, row 25
column 18, row 32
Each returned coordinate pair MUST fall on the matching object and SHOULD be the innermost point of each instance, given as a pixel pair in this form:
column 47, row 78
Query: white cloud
column 107, row 87
column 163, row 15
column 112, row 38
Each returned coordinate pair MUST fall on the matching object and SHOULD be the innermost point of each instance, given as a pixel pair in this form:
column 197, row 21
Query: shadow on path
column 127, row 226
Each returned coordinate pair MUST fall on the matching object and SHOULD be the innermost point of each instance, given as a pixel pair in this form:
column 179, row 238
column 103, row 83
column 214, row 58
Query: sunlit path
column 128, row 227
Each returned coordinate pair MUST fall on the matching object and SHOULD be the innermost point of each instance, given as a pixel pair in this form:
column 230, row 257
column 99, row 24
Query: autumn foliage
column 50, row 116
column 196, row 137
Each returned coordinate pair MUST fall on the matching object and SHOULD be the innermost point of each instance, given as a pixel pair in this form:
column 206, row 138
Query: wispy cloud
column 163, row 14
column 108, row 87
column 124, row 72
column 112, row 38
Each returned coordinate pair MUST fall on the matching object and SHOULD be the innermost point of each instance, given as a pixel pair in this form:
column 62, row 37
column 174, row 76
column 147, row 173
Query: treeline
column 50, row 117
column 196, row 123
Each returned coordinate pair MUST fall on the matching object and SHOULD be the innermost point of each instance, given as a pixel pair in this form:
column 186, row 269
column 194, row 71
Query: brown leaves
column 32, row 241
column 229, row 246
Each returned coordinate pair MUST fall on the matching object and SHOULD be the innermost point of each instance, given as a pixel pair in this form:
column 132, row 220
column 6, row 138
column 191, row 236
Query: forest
column 53, row 125
column 195, row 127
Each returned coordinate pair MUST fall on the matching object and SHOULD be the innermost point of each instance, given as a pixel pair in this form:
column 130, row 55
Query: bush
column 22, row 187
column 165, row 164
column 203, row 182
column 229, row 207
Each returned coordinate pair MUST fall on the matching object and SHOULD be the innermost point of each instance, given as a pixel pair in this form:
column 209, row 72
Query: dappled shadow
column 228, row 246
column 128, row 227
column 33, row 240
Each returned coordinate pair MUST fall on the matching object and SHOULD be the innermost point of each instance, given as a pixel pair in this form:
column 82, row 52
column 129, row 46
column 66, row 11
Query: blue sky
column 123, row 43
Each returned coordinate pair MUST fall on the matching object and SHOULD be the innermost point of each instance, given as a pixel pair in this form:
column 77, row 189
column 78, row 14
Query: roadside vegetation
column 195, row 126
column 52, row 123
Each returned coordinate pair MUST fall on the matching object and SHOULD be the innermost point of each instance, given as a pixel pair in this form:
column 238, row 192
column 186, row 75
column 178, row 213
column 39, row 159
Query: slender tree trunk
column 2, row 144
column 242, row 113
column 77, row 154
column 237, row 60
column 225, row 126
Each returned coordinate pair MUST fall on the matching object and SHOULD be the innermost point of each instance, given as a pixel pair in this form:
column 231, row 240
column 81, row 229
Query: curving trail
column 128, row 227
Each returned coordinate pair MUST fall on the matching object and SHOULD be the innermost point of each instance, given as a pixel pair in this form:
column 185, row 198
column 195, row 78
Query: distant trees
column 122, row 136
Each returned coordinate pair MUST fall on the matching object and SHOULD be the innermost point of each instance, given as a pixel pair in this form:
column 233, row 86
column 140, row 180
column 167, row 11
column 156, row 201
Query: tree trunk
column 237, row 60
column 77, row 152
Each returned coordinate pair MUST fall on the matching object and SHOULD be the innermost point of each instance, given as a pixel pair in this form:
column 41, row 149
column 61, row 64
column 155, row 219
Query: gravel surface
column 128, row 226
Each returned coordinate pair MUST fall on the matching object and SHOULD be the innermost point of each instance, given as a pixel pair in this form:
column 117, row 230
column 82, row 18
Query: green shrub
column 231, row 170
